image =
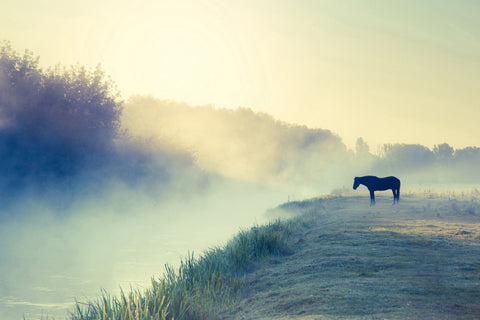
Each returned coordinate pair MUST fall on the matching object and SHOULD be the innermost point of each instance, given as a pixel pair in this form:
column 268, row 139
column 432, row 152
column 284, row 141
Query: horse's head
column 356, row 183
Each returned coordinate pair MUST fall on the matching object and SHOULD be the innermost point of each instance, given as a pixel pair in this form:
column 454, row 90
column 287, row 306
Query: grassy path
column 417, row 260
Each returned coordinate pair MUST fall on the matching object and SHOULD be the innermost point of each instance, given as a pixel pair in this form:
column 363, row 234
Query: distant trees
column 443, row 152
column 417, row 155
column 241, row 143
column 407, row 154
column 361, row 147
column 442, row 163
column 468, row 154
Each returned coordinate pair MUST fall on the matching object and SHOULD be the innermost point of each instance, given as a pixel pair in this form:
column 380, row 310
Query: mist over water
column 123, row 239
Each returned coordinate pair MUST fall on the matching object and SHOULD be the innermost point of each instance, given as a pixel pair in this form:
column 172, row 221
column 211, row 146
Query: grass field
column 417, row 260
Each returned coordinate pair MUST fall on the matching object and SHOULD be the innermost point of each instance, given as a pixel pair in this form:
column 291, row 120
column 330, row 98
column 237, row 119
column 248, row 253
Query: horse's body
column 379, row 184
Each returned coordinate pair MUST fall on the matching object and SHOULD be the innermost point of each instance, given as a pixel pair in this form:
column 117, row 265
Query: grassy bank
column 416, row 260
column 202, row 286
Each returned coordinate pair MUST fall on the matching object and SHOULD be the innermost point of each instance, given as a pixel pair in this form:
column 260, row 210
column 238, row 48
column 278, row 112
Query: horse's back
column 376, row 183
column 394, row 181
column 385, row 183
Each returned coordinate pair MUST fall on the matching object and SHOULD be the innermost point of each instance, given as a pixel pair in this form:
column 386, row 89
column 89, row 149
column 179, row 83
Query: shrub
column 53, row 123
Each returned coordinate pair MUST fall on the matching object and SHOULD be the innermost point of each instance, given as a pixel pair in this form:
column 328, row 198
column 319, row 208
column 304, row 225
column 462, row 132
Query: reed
column 201, row 286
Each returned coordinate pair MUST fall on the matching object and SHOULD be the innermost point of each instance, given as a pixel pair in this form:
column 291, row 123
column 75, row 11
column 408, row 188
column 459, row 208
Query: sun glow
column 355, row 69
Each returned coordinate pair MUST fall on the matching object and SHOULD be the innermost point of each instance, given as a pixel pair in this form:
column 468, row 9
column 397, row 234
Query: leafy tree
column 443, row 151
column 407, row 155
column 361, row 147
column 53, row 123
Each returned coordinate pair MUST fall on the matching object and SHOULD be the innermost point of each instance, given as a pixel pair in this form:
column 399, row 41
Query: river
column 50, row 259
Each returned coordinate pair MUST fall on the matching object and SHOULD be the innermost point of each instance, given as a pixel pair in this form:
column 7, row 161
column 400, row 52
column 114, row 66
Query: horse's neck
column 365, row 182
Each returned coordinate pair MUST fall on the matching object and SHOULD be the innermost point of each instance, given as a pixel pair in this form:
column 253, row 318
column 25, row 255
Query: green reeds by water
column 201, row 286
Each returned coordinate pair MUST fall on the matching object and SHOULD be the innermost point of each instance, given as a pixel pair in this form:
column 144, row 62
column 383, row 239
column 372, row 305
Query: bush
column 53, row 123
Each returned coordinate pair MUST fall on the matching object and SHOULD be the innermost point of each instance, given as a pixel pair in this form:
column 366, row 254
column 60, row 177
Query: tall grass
column 201, row 286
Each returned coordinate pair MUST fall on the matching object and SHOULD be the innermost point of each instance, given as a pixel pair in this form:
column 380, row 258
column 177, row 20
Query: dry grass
column 417, row 260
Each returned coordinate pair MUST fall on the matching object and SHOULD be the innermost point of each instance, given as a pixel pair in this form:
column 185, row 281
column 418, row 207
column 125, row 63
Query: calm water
column 47, row 262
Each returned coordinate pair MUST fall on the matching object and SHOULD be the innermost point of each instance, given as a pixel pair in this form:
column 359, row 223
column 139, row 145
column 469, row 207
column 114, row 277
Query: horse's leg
column 394, row 195
column 372, row 198
column 398, row 195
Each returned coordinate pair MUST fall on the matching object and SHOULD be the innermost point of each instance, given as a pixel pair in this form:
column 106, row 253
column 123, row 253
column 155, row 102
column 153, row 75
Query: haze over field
column 222, row 111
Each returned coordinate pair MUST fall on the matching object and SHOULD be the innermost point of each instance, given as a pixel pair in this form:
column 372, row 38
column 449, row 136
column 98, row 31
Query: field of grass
column 416, row 260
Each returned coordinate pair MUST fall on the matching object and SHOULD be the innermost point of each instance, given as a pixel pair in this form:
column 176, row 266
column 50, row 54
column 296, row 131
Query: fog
column 51, row 257
column 88, row 203
column 252, row 146
column 245, row 145
column 98, row 192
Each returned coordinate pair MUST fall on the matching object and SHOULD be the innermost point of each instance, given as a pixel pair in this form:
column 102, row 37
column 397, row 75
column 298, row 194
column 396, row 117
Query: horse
column 379, row 184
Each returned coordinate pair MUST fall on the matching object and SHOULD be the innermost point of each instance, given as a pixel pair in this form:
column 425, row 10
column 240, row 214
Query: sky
column 387, row 71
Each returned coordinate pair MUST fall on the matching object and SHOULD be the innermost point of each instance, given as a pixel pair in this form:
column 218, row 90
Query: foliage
column 53, row 123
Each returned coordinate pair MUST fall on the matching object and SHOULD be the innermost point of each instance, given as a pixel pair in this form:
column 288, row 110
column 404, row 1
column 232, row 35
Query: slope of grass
column 201, row 287
column 416, row 260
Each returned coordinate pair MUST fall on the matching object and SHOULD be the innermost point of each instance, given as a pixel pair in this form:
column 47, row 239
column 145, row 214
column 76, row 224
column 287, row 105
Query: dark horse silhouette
column 375, row 183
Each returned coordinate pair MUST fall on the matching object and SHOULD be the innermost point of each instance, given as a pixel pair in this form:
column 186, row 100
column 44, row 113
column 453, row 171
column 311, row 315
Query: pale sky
column 388, row 71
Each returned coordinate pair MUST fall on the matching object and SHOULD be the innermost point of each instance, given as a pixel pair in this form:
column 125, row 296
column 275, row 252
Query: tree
column 53, row 123
column 361, row 147
column 443, row 152
column 407, row 155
